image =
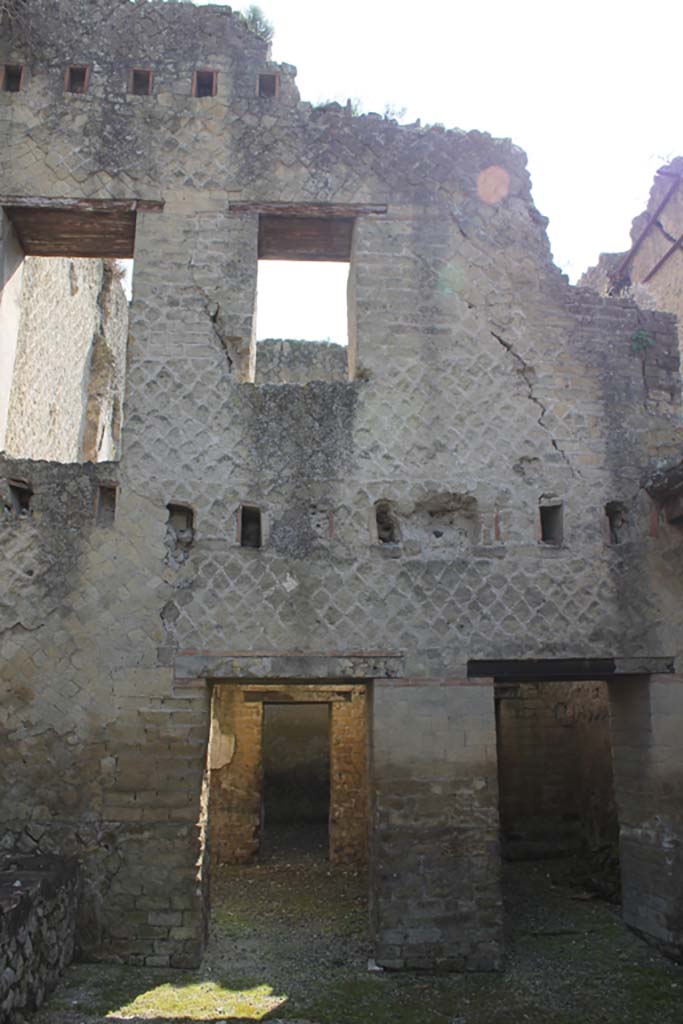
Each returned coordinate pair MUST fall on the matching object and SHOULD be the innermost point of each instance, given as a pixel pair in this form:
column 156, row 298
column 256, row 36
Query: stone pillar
column 647, row 724
column 434, row 853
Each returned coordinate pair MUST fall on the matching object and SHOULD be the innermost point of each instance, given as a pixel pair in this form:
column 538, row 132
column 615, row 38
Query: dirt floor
column 289, row 944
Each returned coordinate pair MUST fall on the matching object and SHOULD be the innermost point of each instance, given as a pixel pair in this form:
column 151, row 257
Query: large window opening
column 63, row 330
column 302, row 306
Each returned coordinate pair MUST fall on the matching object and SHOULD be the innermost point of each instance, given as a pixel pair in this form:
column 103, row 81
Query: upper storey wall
column 483, row 380
column 107, row 142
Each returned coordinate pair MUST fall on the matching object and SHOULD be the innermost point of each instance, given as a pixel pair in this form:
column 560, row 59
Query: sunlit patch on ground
column 199, row 1001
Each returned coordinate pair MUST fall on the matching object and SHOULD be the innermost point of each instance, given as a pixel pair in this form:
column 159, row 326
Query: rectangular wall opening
column 204, row 83
column 63, row 330
column 12, row 77
column 288, row 814
column 140, row 82
column 303, row 307
column 250, row 529
column 558, row 813
column 77, row 78
column 268, row 85
column 105, row 508
column 552, row 527
column 21, row 494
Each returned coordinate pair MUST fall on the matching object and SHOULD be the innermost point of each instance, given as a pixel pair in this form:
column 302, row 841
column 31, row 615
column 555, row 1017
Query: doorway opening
column 558, row 811
column 288, row 824
column 290, row 754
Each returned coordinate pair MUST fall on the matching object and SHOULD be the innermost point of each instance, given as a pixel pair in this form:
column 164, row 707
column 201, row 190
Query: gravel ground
column 289, row 943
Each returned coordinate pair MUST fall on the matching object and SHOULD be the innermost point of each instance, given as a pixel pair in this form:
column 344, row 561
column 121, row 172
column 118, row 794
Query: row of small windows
column 140, row 81
column 250, row 528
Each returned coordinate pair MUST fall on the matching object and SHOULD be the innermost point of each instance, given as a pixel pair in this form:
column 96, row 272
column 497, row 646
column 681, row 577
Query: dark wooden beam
column 550, row 670
column 305, row 238
column 91, row 228
column 308, row 209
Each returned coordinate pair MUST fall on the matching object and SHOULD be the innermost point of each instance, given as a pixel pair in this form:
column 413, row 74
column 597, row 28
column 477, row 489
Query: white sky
column 591, row 89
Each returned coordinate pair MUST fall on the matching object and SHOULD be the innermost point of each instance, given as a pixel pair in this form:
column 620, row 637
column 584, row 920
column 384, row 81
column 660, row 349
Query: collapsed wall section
column 652, row 269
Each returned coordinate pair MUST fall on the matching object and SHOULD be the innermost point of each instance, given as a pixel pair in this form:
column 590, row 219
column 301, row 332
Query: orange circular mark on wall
column 493, row 184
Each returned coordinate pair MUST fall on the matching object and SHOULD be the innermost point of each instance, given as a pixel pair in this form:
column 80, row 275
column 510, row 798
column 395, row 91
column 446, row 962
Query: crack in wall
column 526, row 373
column 233, row 346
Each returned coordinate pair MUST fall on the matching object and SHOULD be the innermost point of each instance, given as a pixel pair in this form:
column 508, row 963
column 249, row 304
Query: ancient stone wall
column 236, row 767
column 484, row 387
column 298, row 362
column 38, row 898
column 68, row 372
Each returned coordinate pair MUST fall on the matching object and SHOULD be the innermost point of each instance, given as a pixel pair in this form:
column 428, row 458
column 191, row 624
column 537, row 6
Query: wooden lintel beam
column 84, row 205
column 309, row 209
column 568, row 669
column 316, row 694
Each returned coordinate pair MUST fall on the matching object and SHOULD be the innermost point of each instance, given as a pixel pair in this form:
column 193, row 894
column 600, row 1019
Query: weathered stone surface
column 298, row 362
column 481, row 386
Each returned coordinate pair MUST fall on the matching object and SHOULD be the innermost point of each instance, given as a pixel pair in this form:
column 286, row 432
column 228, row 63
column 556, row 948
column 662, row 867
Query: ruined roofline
column 60, row 47
column 613, row 273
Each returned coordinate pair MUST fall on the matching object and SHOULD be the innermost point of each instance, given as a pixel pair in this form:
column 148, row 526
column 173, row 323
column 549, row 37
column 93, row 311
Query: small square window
column 140, row 82
column 616, row 521
column 268, row 85
column 77, row 78
column 386, row 523
column 12, row 77
column 552, row 527
column 204, row 83
column 250, row 531
column 21, row 494
column 105, row 511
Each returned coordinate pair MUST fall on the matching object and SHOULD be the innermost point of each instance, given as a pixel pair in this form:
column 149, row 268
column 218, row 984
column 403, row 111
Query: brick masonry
column 482, row 386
